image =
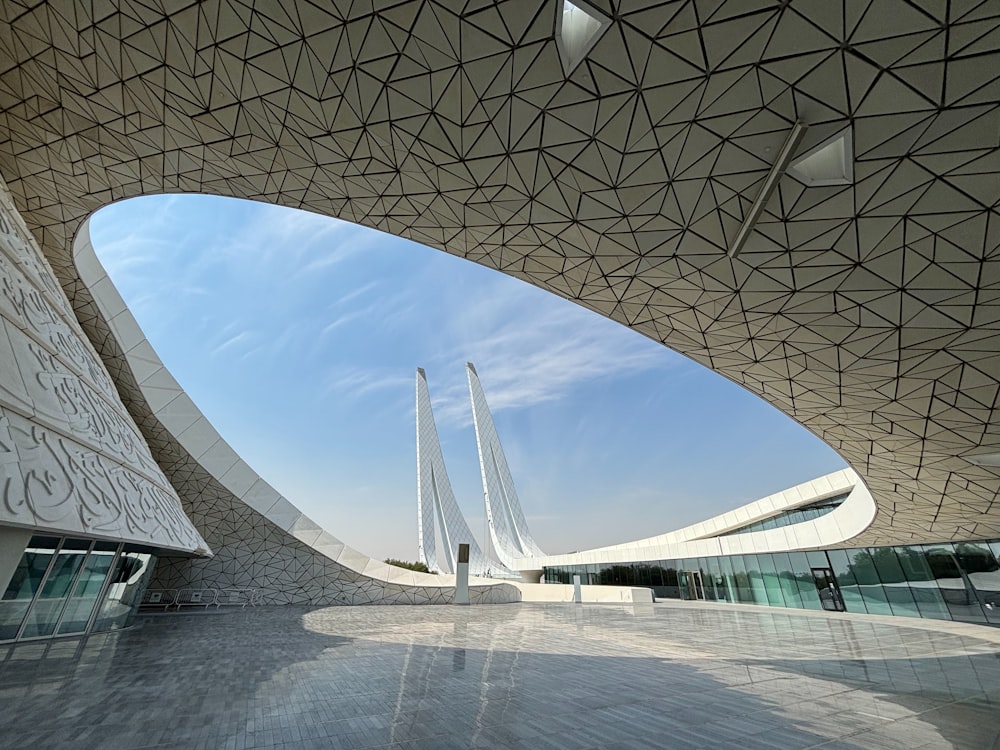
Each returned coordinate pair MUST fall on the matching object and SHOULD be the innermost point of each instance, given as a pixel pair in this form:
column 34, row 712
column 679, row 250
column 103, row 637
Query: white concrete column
column 577, row 589
column 12, row 544
column 462, row 575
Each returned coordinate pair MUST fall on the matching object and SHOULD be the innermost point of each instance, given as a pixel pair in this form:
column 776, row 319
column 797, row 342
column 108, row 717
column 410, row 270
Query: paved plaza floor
column 538, row 676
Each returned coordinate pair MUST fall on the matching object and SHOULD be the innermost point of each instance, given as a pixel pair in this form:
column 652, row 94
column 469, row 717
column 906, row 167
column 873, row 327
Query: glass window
column 808, row 596
column 989, row 599
column 817, row 559
column 88, row 587
column 732, row 585
column 62, row 575
column 655, row 574
column 723, row 592
column 735, row 575
column 843, row 571
column 758, row 594
column 786, row 579
column 960, row 598
column 958, row 581
column 128, row 583
column 920, row 579
column 789, row 517
column 894, row 583
column 707, row 579
column 24, row 584
column 671, row 586
column 868, row 583
column 690, row 582
column 772, row 586
column 614, row 575
column 753, row 591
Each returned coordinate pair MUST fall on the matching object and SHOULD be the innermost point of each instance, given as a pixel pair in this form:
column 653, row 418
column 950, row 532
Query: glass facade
column 788, row 517
column 66, row 586
column 959, row 581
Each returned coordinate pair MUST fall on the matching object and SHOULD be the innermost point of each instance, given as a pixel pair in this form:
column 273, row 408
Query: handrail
column 200, row 597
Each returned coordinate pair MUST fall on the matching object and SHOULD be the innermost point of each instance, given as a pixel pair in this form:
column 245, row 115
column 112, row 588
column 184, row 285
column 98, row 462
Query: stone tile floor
column 538, row 676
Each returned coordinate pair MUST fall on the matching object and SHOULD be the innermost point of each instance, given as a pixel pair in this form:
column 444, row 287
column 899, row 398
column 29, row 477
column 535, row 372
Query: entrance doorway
column 691, row 585
column 829, row 592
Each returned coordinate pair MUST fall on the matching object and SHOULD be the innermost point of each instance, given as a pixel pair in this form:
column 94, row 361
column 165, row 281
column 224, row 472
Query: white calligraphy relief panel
column 71, row 458
column 51, row 481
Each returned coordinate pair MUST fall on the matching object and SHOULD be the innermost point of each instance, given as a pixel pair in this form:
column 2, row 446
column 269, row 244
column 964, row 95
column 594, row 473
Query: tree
column 419, row 567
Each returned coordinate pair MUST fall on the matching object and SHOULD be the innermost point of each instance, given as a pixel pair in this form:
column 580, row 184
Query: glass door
column 691, row 585
column 829, row 593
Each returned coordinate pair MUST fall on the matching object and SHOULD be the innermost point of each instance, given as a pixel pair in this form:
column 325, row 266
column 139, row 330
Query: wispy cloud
column 359, row 382
column 341, row 320
column 529, row 349
column 231, row 342
column 361, row 291
column 299, row 244
column 295, row 239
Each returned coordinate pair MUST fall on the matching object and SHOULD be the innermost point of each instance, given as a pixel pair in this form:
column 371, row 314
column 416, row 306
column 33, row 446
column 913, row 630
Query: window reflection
column 61, row 577
column 81, row 605
column 983, row 574
column 960, row 599
column 25, row 583
column 125, row 590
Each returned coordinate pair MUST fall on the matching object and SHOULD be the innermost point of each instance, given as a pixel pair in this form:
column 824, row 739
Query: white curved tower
column 436, row 498
column 508, row 527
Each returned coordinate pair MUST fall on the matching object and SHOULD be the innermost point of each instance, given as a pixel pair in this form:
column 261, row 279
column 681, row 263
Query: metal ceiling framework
column 868, row 311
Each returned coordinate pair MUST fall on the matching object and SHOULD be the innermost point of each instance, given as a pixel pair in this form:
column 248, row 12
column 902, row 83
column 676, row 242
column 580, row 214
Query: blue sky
column 298, row 336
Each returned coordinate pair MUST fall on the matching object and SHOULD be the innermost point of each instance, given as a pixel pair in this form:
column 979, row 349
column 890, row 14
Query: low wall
column 559, row 592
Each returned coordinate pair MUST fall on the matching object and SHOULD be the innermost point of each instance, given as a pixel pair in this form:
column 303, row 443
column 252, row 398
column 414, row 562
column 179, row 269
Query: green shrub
column 417, row 566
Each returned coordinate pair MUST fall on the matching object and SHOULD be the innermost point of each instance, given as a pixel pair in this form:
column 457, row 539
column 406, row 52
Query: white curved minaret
column 508, row 527
column 435, row 498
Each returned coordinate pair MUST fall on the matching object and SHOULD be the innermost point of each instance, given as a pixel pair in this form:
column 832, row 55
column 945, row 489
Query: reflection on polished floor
column 673, row 675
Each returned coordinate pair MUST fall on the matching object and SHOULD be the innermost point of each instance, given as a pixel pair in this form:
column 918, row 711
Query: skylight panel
column 578, row 27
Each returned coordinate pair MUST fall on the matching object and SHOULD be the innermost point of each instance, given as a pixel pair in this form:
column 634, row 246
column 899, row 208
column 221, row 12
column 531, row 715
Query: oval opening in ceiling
column 298, row 337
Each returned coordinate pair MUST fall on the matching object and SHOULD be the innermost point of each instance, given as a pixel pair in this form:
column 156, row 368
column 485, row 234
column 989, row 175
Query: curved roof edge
column 834, row 529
